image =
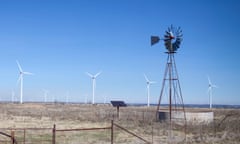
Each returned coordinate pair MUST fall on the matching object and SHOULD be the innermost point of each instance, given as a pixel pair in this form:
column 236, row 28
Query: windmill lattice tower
column 175, row 111
column 171, row 87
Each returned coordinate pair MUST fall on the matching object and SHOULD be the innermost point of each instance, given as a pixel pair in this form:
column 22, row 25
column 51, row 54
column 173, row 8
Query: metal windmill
column 171, row 85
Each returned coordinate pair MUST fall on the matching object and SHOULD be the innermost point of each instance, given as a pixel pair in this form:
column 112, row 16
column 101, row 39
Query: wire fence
column 26, row 135
column 100, row 135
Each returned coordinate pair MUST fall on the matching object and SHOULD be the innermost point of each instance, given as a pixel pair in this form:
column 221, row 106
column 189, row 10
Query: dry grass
column 140, row 120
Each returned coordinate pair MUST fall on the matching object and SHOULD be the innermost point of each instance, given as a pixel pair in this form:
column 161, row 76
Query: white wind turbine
column 67, row 97
column 93, row 83
column 210, row 87
column 21, row 73
column 13, row 96
column 45, row 95
column 86, row 99
column 148, row 89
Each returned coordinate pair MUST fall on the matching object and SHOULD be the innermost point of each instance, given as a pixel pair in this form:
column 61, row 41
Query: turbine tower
column 148, row 89
column 21, row 74
column 210, row 87
column 93, row 83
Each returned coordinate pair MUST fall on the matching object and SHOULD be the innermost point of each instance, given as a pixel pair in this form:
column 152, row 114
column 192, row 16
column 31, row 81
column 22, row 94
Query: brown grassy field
column 139, row 120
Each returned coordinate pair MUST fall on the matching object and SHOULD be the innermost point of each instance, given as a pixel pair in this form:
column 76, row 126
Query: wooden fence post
column 54, row 134
column 24, row 137
column 111, row 131
column 118, row 112
column 12, row 136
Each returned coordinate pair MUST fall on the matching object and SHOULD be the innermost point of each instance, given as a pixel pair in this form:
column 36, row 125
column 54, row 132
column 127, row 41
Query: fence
column 26, row 135
column 55, row 136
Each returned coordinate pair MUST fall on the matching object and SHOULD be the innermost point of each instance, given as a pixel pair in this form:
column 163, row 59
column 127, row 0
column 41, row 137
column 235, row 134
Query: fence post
column 12, row 136
column 54, row 134
column 118, row 112
column 111, row 131
column 24, row 137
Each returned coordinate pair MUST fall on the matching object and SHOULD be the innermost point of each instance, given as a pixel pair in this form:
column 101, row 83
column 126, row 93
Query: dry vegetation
column 140, row 120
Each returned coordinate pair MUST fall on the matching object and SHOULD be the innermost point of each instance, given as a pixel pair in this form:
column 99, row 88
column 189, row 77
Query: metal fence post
column 54, row 134
column 111, row 131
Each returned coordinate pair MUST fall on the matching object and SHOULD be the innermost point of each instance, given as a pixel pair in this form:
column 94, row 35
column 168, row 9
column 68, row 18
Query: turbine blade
column 89, row 74
column 19, row 66
column 27, row 73
column 18, row 79
column 209, row 81
column 98, row 74
column 152, row 82
column 146, row 78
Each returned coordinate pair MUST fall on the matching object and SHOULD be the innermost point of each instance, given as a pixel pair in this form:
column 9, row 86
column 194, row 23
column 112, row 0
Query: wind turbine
column 45, row 95
column 13, row 96
column 105, row 99
column 67, row 97
column 93, row 83
column 86, row 100
column 210, row 87
column 148, row 88
column 21, row 74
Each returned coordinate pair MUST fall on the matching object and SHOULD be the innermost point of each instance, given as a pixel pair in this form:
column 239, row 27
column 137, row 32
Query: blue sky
column 59, row 41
